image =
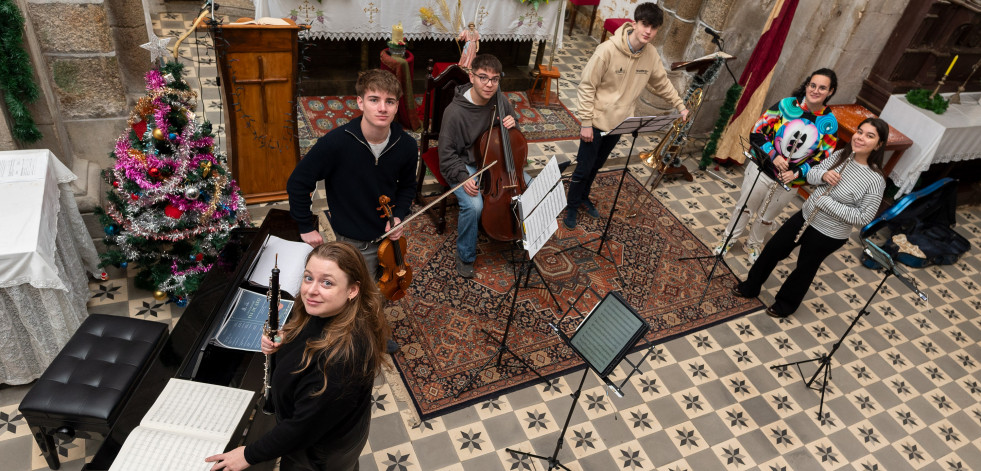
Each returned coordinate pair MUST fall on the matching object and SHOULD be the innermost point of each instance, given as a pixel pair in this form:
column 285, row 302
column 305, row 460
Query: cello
column 503, row 182
column 396, row 274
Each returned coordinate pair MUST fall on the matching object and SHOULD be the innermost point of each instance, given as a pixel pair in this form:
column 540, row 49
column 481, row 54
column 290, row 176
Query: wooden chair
column 439, row 93
column 575, row 6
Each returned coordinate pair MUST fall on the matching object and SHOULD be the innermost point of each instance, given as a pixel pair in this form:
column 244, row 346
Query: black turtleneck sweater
column 304, row 421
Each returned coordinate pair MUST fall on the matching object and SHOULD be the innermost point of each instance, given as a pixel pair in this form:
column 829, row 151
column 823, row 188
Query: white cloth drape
column 364, row 19
column 937, row 138
column 45, row 251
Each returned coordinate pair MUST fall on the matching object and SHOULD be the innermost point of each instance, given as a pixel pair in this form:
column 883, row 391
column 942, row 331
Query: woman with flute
column 332, row 349
column 850, row 186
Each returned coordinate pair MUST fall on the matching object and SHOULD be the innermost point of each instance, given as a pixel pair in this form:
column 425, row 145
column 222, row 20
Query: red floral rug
column 438, row 324
column 321, row 114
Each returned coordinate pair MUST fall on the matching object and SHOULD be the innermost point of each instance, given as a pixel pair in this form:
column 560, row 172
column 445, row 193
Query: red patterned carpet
column 439, row 323
column 543, row 123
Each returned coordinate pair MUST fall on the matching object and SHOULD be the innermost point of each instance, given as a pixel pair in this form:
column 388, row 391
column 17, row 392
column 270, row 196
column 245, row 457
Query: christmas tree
column 172, row 202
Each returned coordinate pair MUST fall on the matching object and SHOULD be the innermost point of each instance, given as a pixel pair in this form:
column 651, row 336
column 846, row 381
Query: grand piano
column 190, row 354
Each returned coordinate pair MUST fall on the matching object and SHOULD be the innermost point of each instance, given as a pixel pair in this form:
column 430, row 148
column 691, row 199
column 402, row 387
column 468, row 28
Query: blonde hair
column 362, row 317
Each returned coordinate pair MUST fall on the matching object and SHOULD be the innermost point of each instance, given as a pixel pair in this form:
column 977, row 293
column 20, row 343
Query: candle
column 951, row 66
column 397, row 33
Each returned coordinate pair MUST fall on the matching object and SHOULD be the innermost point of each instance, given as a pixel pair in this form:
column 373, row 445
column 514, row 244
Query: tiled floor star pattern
column 904, row 393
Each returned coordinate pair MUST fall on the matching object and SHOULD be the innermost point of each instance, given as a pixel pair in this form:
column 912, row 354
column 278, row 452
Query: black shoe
column 464, row 269
column 570, row 218
column 391, row 346
column 590, row 209
column 774, row 314
column 739, row 294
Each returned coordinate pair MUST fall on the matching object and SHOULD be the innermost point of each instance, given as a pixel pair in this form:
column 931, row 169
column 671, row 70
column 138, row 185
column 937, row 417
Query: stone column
column 83, row 72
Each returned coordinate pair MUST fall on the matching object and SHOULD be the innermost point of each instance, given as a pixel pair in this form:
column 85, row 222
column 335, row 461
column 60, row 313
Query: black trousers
column 591, row 157
column 337, row 454
column 814, row 248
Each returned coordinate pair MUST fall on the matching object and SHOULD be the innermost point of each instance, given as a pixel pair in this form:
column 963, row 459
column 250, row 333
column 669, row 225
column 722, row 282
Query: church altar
column 372, row 20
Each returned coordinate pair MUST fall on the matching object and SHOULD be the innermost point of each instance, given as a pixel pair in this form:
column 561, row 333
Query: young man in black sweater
column 358, row 162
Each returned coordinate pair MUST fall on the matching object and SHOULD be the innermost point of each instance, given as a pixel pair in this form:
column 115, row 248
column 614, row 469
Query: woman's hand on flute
column 781, row 163
column 831, row 177
column 268, row 346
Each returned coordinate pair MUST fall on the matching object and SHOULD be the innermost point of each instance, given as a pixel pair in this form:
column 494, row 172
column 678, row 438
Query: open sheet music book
column 292, row 260
column 189, row 422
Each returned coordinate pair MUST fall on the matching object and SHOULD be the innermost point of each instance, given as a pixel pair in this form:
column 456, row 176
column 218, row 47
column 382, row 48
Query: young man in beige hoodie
column 613, row 79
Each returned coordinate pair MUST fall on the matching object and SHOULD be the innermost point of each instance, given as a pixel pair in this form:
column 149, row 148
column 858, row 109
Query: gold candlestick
column 956, row 99
column 939, row 84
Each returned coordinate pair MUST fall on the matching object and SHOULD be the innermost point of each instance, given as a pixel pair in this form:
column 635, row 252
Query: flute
column 271, row 331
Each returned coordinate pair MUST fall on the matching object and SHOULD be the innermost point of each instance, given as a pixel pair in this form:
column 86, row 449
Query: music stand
column 537, row 210
column 891, row 269
column 759, row 157
column 633, row 125
column 602, row 340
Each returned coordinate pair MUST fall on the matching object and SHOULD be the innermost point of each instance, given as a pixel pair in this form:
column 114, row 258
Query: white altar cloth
column 364, row 19
column 937, row 138
column 45, row 251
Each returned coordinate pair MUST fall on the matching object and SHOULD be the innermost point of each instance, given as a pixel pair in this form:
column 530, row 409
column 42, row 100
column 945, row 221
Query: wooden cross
column 261, row 82
column 370, row 11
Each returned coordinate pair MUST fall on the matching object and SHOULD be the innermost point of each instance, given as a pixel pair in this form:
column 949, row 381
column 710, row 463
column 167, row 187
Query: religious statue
column 471, row 45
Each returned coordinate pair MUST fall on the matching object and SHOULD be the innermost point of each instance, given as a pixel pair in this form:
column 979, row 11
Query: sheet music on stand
column 539, row 207
column 641, row 124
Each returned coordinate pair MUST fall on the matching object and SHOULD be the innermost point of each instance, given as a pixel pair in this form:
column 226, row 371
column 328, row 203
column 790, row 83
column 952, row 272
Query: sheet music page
column 22, row 169
column 292, row 259
column 539, row 187
column 605, row 332
column 199, row 409
column 148, row 449
column 243, row 329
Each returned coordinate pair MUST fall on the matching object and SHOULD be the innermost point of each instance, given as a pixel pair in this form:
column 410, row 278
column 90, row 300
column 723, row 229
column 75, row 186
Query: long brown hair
column 878, row 152
column 362, row 319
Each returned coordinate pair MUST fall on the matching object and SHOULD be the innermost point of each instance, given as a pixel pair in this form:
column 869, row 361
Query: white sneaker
column 754, row 253
column 718, row 248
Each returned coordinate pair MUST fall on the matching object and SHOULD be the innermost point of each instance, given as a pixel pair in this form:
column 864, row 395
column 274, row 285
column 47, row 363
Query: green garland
column 921, row 98
column 16, row 75
column 728, row 108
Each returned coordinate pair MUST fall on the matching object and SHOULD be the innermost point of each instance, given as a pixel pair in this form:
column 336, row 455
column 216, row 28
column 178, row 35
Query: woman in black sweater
column 332, row 349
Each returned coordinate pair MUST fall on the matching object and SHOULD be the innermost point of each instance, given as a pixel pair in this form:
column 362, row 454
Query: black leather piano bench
column 87, row 385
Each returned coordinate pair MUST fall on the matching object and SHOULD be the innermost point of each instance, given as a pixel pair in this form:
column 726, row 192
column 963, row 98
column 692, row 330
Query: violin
column 396, row 274
column 509, row 148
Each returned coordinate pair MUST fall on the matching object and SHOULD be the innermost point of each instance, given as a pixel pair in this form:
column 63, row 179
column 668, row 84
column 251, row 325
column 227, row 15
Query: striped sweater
column 852, row 202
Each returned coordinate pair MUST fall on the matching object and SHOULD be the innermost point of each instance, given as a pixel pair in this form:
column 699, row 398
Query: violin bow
column 433, row 202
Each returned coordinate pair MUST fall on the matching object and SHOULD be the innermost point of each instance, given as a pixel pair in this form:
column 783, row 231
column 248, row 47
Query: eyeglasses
column 814, row 86
column 485, row 79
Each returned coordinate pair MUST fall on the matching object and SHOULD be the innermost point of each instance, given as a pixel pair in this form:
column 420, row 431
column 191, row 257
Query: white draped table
column 45, row 251
column 937, row 138
column 363, row 19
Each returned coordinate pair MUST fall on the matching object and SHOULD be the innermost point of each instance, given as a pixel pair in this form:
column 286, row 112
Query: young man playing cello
column 366, row 158
column 464, row 120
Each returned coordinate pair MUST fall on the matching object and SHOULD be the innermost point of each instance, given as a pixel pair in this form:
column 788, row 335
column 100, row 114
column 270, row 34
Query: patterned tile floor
column 904, row 395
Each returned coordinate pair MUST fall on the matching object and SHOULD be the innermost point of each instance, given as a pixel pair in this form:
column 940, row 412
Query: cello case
column 921, row 228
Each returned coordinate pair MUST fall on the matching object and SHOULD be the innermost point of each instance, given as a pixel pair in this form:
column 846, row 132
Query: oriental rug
column 438, row 324
column 321, row 114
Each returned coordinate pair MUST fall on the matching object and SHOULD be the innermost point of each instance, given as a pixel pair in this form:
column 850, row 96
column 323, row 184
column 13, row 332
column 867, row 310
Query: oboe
column 271, row 331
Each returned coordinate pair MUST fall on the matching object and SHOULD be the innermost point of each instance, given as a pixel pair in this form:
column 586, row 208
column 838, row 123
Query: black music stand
column 602, row 340
column 634, row 126
column 538, row 223
column 890, row 268
column 759, row 157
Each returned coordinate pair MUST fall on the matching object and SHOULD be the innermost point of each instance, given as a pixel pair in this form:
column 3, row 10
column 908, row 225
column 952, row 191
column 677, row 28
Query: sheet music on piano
column 188, row 422
column 292, row 260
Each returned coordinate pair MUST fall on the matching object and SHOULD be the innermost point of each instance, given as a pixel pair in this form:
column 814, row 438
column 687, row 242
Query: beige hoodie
column 614, row 77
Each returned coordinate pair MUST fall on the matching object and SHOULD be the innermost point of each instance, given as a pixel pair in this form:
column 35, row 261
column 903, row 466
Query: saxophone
column 668, row 150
